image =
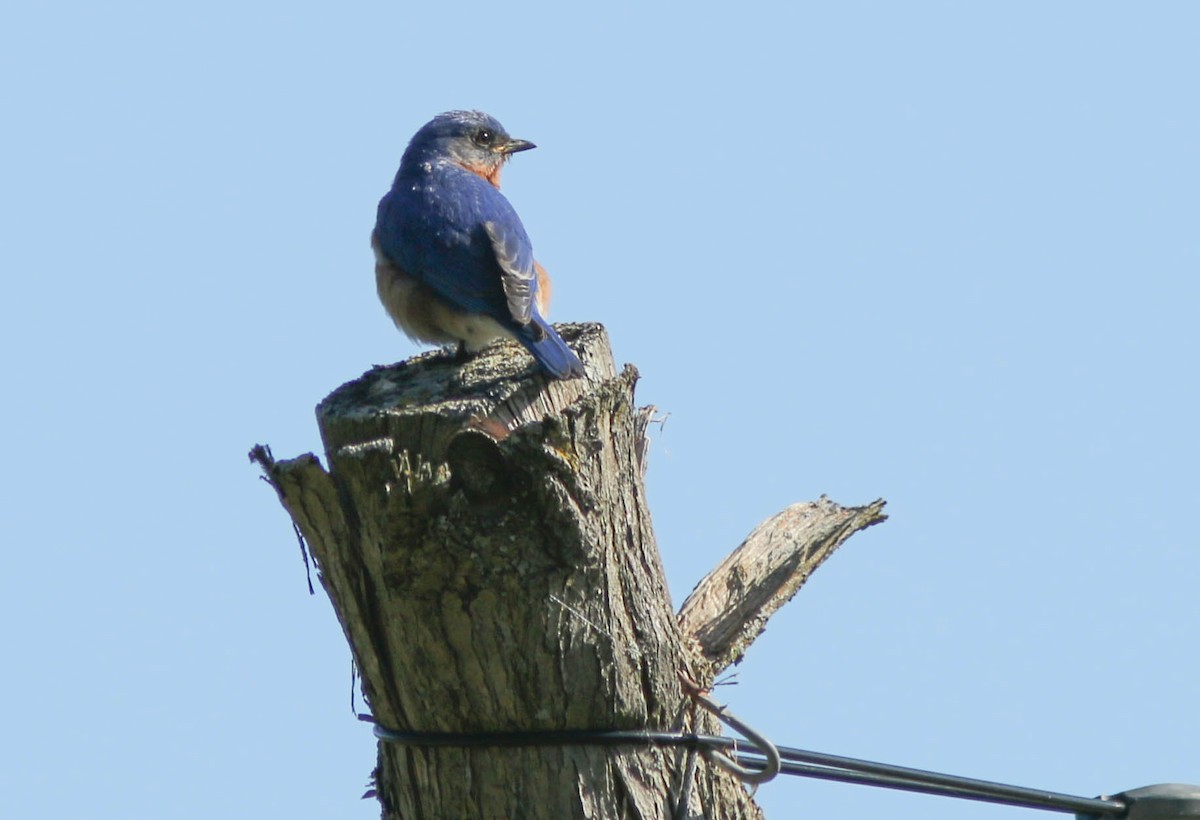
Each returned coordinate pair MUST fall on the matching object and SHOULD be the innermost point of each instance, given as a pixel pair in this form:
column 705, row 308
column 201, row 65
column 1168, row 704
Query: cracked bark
column 484, row 537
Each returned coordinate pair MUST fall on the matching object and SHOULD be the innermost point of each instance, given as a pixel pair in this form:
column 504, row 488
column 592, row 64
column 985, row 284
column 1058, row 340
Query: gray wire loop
column 761, row 745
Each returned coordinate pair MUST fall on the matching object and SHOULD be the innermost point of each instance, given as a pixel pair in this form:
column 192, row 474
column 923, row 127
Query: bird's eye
column 484, row 137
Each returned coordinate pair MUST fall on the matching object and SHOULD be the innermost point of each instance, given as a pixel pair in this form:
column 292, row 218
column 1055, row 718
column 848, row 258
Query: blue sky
column 942, row 253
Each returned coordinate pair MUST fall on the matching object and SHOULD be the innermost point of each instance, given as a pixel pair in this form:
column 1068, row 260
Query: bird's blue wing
column 463, row 239
column 515, row 259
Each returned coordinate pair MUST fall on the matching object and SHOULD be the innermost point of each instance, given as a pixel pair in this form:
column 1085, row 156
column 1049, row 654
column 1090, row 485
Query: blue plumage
column 453, row 261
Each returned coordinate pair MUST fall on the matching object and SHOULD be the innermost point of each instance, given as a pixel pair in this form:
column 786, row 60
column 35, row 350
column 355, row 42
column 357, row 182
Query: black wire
column 799, row 762
column 1020, row 795
column 943, row 785
column 555, row 737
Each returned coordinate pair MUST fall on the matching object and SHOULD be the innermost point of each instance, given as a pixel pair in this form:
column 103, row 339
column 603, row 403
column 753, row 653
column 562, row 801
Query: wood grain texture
column 484, row 537
column 730, row 606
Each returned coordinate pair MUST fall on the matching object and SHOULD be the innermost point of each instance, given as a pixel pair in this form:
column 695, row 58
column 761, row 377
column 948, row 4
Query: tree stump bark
column 484, row 537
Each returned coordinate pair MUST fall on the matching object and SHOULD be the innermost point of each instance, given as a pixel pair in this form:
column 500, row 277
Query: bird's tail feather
column 550, row 350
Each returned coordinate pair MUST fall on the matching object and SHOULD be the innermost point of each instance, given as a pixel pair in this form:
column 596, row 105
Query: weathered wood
column 484, row 537
column 485, row 540
column 730, row 606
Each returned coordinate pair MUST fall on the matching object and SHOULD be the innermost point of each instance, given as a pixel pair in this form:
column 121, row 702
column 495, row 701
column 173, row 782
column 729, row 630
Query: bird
column 453, row 262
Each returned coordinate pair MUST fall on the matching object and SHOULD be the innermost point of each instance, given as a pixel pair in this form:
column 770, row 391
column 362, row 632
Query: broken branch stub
column 730, row 606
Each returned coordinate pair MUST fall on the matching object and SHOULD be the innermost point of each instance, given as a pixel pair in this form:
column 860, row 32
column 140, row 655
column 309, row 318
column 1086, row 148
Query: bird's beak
column 513, row 146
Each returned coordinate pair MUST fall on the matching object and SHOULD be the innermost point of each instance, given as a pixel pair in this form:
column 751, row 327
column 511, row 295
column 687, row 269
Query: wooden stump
column 484, row 537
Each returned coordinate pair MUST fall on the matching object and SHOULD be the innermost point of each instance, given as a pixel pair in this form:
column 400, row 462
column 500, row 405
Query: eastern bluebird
column 452, row 260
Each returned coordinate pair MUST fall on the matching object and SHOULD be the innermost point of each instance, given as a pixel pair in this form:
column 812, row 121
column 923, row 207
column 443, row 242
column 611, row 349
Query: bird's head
column 472, row 139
